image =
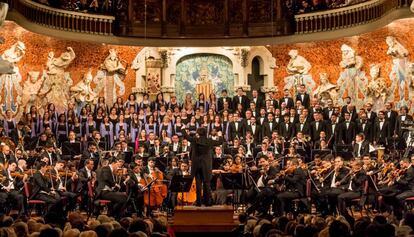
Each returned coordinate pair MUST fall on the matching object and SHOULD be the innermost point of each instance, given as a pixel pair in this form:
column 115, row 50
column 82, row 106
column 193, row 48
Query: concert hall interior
column 130, row 118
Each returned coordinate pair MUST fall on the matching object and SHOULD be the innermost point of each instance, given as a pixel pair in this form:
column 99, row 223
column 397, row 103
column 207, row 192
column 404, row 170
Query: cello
column 154, row 196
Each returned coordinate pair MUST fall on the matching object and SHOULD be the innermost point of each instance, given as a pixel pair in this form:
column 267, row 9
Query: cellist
column 136, row 186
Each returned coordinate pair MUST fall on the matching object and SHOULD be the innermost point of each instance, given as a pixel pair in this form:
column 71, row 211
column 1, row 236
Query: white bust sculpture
column 326, row 90
column 297, row 64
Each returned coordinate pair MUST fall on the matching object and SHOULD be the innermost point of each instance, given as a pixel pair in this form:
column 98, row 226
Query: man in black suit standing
column 237, row 129
column 302, row 126
column 107, row 187
column 317, row 126
column 303, row 96
column 381, row 129
column 201, row 161
column 348, row 130
column 257, row 99
column 365, row 126
column 295, row 186
column 361, row 146
column 224, row 98
column 286, row 128
column 401, row 119
column 240, row 98
column 269, row 125
column 255, row 130
column 287, row 99
column 391, row 117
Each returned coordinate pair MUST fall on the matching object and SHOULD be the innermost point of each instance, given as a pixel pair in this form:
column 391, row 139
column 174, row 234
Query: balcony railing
column 173, row 19
column 62, row 19
column 346, row 17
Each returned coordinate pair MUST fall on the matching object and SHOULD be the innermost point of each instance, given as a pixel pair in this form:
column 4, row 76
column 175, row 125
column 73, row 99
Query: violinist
column 295, row 181
column 43, row 190
column 50, row 153
column 136, row 186
column 221, row 193
column 237, row 166
column 86, row 174
column 61, row 181
column 332, row 185
column 354, row 188
column 399, row 188
column 106, row 188
column 261, row 198
column 11, row 188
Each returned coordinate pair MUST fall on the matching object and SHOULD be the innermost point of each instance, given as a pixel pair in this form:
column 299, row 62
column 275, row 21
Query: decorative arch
column 240, row 57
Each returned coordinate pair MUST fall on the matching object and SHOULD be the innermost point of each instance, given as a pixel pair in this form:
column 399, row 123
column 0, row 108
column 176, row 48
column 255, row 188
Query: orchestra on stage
column 271, row 155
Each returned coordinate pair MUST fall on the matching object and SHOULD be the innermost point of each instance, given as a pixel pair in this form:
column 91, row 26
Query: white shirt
column 333, row 185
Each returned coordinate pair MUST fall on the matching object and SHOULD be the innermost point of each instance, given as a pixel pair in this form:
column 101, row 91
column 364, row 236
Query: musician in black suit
column 224, row 98
column 286, row 128
column 354, row 188
column 42, row 188
column 240, row 98
column 107, row 187
column 90, row 153
column 257, row 99
column 295, row 183
column 381, row 129
column 136, row 185
column 400, row 188
column 303, row 97
column 6, row 156
column 11, row 188
column 365, row 126
column 302, row 126
column 391, row 116
column 333, row 185
column 287, row 99
column 333, row 130
column 328, row 110
column 361, row 146
column 86, row 174
column 269, row 125
column 237, row 129
column 371, row 115
column 317, row 126
column 255, row 130
column 347, row 130
column 401, row 119
column 261, row 193
column 201, row 160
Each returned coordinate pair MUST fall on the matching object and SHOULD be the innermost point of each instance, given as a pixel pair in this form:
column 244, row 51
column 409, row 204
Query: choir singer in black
column 201, row 157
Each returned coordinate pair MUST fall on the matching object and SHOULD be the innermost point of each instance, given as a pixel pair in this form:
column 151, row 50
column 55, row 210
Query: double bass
column 154, row 196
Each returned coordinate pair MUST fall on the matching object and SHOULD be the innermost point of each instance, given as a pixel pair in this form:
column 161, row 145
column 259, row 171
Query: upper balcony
column 205, row 23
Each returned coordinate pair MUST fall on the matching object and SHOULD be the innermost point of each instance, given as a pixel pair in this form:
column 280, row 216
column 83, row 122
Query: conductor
column 201, row 157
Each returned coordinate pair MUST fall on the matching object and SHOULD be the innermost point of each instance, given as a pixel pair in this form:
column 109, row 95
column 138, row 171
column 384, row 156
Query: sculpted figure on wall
column 377, row 91
column 82, row 92
column 57, row 82
column 115, row 72
column 326, row 90
column 398, row 73
column 31, row 89
column 10, row 82
column 352, row 79
column 298, row 69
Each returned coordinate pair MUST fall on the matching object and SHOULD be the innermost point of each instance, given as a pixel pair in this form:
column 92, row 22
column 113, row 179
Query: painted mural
column 200, row 72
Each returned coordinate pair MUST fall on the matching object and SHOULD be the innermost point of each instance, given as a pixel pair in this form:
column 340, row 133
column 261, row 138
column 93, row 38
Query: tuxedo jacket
column 286, row 131
column 347, row 135
column 305, row 101
column 381, row 134
column 305, row 129
column 364, row 149
column 257, row 133
column 220, row 103
column 289, row 102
